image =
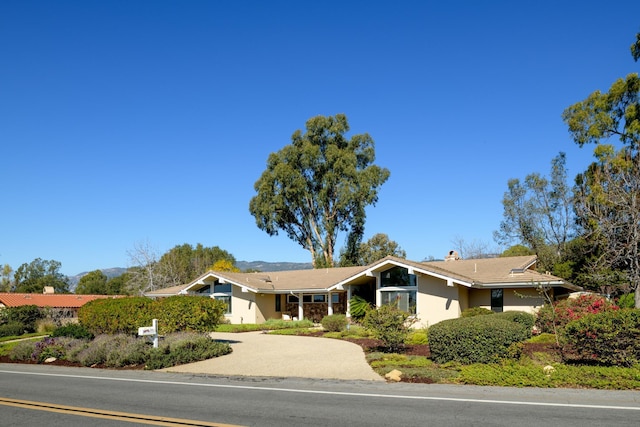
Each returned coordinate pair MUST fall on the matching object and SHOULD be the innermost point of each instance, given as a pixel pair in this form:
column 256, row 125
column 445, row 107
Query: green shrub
column 388, row 324
column 188, row 313
column 418, row 337
column 358, row 307
column 186, row 349
column 73, row 330
column 607, row 338
column 570, row 309
column 174, row 314
column 476, row 311
column 118, row 315
column 334, row 322
column 525, row 319
column 12, row 329
column 479, row 339
column 26, row 314
column 627, row 301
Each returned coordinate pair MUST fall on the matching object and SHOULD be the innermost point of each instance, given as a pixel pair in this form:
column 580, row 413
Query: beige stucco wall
column 266, row 307
column 243, row 307
column 528, row 299
column 436, row 301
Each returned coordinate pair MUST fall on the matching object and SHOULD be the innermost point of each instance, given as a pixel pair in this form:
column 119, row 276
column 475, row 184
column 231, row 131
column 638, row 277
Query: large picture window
column 399, row 288
column 404, row 300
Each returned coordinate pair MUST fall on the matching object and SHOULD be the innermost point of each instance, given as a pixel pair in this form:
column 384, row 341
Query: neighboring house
column 432, row 291
column 65, row 305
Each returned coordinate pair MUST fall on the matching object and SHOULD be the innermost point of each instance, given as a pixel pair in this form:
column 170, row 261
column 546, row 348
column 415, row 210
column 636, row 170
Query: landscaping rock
column 394, row 375
column 50, row 359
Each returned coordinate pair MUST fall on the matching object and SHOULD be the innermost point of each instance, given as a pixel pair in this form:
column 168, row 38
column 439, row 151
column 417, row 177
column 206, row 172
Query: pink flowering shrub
column 607, row 338
column 571, row 309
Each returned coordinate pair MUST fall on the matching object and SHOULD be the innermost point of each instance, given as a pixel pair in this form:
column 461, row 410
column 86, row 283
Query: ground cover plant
column 119, row 350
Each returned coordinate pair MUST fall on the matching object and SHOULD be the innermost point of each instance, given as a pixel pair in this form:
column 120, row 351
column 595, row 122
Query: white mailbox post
column 150, row 331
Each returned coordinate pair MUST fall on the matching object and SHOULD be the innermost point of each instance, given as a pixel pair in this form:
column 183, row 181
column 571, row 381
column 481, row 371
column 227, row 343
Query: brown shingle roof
column 48, row 300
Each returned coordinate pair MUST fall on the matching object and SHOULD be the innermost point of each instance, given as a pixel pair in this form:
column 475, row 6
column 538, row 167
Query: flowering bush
column 606, row 338
column 571, row 309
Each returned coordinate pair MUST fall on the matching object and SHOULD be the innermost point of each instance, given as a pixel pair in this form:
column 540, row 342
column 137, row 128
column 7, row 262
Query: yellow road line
column 109, row 415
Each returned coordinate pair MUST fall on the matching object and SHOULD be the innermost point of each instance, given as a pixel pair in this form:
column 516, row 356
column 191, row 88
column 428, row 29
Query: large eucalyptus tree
column 318, row 186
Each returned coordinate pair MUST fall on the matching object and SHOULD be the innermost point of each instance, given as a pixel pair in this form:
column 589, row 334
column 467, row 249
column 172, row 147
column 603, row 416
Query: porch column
column 348, row 301
column 300, row 308
column 330, row 306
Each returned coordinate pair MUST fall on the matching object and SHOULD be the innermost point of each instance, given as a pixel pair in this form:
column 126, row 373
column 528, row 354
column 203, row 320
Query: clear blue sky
column 130, row 121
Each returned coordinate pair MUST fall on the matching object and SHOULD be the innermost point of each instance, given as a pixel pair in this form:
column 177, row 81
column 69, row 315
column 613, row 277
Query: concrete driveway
column 263, row 355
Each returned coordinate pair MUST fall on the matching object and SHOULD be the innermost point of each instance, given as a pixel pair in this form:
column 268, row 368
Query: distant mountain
column 242, row 265
column 272, row 266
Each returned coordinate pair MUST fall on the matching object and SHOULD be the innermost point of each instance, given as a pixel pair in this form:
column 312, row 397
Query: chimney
column 452, row 256
column 48, row 290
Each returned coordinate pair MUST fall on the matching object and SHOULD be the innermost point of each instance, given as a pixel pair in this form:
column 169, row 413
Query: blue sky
column 149, row 121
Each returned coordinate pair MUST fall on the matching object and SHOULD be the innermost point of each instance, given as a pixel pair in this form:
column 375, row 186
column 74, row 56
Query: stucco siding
column 436, row 301
column 528, row 299
column 243, row 307
column 266, row 308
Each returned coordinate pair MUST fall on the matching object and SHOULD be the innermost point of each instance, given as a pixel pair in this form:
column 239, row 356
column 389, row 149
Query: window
column 227, row 301
column 497, row 300
column 335, row 298
column 311, row 298
column 399, row 288
column 278, row 303
column 204, row 290
column 222, row 292
column 398, row 276
column 405, row 300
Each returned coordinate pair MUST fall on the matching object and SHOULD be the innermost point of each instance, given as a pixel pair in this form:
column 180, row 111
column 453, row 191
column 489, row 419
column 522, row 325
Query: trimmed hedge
column 525, row 319
column 478, row 339
column 118, row 315
column 607, row 338
column 476, row 311
column 174, row 314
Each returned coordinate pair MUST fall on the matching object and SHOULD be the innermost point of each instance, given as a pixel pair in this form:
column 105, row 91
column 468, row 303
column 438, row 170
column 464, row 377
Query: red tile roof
column 48, row 300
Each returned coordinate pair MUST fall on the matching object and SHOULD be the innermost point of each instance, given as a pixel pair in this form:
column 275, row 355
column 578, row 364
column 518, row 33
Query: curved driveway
column 263, row 355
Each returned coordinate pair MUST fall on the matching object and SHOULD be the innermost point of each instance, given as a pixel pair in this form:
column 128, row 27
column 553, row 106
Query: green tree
column 118, row 285
column 539, row 213
column 608, row 193
column 179, row 265
column 318, row 186
column 183, row 263
column 377, row 247
column 6, row 278
column 517, row 250
column 93, row 283
column 33, row 277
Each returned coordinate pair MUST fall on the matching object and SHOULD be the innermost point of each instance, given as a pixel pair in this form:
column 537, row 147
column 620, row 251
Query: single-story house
column 65, row 305
column 432, row 291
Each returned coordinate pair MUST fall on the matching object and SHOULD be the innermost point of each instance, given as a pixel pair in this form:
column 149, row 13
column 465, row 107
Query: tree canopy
column 34, row 276
column 318, row 186
column 608, row 193
column 377, row 247
column 179, row 265
column 538, row 213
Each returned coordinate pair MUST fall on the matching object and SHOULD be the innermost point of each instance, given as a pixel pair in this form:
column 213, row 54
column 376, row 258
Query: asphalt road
column 255, row 401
